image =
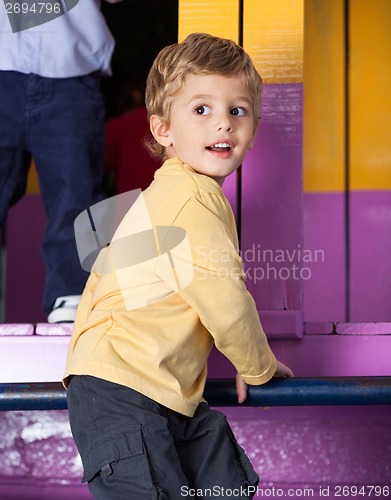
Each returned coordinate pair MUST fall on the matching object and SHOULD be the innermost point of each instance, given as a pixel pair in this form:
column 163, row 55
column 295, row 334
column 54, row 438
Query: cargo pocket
column 118, row 458
column 111, row 448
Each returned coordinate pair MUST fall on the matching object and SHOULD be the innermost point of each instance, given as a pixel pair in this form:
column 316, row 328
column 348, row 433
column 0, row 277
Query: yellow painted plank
column 370, row 95
column 273, row 36
column 324, row 96
column 32, row 180
column 217, row 17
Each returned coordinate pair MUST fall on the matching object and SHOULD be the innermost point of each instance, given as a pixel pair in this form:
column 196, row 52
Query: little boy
column 168, row 288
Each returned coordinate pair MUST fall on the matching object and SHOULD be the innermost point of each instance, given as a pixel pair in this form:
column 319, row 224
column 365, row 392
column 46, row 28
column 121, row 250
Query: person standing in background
column 52, row 56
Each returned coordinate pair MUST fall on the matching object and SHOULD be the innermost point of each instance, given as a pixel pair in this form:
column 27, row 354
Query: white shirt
column 67, row 38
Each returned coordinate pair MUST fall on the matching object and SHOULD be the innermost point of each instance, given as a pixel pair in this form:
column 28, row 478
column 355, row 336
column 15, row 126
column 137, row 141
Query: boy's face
column 212, row 124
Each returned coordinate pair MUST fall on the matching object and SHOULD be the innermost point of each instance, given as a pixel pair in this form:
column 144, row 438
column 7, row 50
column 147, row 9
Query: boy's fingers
column 283, row 370
column 241, row 389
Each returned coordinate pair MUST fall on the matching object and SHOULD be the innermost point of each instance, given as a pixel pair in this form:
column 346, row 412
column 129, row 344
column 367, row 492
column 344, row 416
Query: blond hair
column 198, row 54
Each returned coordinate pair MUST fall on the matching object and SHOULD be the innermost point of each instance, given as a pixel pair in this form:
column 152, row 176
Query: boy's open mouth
column 220, row 147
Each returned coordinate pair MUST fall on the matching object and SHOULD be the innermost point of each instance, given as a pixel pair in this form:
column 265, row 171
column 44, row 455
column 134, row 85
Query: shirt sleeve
column 218, row 292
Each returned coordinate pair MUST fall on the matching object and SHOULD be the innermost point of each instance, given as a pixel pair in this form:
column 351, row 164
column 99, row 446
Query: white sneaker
column 64, row 309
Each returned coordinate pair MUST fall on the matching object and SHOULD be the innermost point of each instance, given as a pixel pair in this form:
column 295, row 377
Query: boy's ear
column 160, row 130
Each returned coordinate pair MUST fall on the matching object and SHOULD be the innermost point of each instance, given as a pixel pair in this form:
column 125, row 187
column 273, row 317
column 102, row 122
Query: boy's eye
column 238, row 111
column 202, row 110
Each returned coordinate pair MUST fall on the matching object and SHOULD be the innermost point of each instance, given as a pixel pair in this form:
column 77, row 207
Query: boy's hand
column 241, row 389
column 282, row 371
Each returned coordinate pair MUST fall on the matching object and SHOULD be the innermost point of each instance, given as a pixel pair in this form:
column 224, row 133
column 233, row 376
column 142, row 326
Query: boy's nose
column 224, row 122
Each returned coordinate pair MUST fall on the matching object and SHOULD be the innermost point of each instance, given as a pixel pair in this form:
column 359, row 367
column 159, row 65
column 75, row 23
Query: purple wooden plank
column 32, row 359
column 32, row 489
column 324, row 291
column 370, row 256
column 272, row 202
column 319, row 328
column 364, row 328
column 323, row 356
column 282, row 324
column 54, row 329
column 16, row 329
column 336, row 355
column 25, row 268
column 42, row 359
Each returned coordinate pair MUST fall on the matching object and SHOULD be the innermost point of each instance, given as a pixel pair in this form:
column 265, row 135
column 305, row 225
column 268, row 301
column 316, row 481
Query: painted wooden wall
column 315, row 189
column 271, row 176
column 347, row 159
column 24, row 235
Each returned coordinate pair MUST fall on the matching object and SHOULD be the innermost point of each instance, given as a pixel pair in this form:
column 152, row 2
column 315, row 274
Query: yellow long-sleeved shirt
column 170, row 285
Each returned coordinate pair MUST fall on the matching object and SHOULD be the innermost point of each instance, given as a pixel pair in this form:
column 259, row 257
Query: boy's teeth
column 220, row 146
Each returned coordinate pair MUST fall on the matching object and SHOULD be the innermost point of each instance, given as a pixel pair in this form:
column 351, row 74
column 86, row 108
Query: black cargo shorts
column 133, row 448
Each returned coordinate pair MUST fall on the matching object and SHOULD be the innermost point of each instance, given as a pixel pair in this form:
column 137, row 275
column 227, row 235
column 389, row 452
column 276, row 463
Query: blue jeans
column 60, row 123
